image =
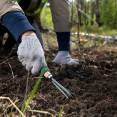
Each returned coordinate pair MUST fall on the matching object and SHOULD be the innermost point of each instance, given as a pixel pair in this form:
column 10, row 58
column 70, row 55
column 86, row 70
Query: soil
column 93, row 81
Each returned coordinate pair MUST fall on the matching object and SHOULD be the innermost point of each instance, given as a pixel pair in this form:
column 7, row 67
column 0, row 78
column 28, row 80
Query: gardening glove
column 65, row 58
column 31, row 54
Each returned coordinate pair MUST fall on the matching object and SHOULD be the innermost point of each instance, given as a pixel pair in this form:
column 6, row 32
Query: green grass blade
column 42, row 112
column 12, row 107
column 25, row 97
column 61, row 111
column 23, row 105
column 33, row 91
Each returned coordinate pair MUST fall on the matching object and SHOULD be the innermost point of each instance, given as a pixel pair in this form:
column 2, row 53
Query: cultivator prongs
column 62, row 89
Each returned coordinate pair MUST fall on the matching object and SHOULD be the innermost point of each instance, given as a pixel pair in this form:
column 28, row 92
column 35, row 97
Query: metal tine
column 60, row 89
column 63, row 88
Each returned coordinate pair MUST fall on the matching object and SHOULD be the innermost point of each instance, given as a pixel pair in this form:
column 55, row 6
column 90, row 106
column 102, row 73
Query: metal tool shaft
column 62, row 89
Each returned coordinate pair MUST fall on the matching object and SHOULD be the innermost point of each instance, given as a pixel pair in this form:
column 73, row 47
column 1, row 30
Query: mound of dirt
column 93, row 81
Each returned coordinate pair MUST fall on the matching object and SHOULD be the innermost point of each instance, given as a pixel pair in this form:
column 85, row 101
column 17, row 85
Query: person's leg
column 0, row 41
column 38, row 20
column 9, row 43
column 63, row 55
column 2, row 32
column 62, row 26
column 35, row 26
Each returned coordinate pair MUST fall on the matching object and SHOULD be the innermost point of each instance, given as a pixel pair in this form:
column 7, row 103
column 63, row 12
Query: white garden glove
column 63, row 57
column 31, row 54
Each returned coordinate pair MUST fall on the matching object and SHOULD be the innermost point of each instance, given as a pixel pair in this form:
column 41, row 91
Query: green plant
column 100, row 40
column 24, row 107
column 33, row 92
column 43, row 112
column 61, row 111
column 12, row 107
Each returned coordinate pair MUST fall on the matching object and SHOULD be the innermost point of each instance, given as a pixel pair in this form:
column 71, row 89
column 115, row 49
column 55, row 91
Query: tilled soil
column 93, row 81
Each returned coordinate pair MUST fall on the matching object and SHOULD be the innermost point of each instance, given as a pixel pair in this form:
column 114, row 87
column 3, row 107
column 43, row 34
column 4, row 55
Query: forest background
column 95, row 16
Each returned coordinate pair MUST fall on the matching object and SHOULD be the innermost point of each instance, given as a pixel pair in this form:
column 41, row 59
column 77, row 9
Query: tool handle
column 45, row 71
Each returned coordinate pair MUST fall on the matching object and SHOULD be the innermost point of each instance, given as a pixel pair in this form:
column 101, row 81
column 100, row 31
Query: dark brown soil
column 93, row 81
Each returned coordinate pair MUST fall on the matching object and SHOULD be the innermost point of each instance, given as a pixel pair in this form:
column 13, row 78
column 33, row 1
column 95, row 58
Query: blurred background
column 95, row 16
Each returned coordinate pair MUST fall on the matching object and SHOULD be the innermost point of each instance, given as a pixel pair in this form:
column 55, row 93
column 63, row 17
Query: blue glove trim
column 17, row 23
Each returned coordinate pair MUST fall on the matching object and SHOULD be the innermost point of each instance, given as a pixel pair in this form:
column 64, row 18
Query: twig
column 7, row 98
column 11, row 70
column 48, row 45
column 14, row 103
column 6, row 60
column 42, row 98
column 77, row 5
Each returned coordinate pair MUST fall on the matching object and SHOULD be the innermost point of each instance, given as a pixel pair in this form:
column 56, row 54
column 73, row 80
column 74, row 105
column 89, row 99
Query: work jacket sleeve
column 9, row 6
column 17, row 23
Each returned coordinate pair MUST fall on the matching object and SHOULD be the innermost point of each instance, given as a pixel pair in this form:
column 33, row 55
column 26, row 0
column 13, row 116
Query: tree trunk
column 115, row 22
column 98, row 12
column 80, row 14
column 85, row 4
column 77, row 4
column 92, row 11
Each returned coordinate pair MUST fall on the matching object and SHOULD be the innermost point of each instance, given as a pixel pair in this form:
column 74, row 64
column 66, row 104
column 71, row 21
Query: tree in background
column 108, row 13
column 97, row 4
column 115, row 22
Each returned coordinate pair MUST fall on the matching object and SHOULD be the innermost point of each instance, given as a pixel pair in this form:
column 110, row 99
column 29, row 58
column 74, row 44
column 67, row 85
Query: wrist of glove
column 31, row 54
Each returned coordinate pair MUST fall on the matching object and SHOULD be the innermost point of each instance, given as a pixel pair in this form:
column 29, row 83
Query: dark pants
column 10, row 42
column 37, row 31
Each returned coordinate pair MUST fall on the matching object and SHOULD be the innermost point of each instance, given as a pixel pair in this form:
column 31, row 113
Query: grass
column 25, row 97
column 7, row 98
column 46, row 20
column 32, row 95
column 33, row 91
column 106, row 31
column 60, row 114
column 24, row 106
column 15, row 99
column 42, row 112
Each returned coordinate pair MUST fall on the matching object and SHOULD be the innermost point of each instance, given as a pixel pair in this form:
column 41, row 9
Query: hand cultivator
column 62, row 89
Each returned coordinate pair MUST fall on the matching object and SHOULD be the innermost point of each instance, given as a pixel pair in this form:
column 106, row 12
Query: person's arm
column 17, row 23
column 30, row 52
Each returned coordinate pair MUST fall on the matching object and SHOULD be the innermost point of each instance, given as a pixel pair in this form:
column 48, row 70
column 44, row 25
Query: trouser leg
column 62, row 24
column 10, row 41
column 60, row 15
column 0, row 41
column 2, row 31
column 37, row 31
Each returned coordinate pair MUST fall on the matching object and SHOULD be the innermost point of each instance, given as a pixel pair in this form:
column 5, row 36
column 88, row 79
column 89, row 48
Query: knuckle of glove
column 37, row 64
column 24, row 63
column 36, row 68
column 28, row 67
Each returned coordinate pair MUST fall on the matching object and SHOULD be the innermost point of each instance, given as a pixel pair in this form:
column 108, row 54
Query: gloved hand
column 31, row 54
column 63, row 57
